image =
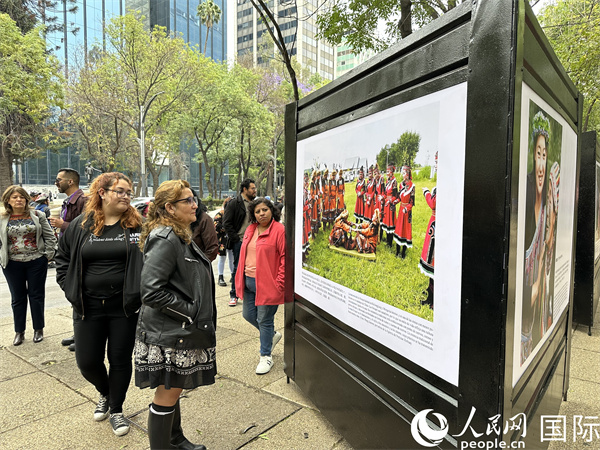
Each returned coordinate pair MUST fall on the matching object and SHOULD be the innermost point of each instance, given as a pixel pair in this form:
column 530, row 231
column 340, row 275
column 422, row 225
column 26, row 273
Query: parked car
column 141, row 204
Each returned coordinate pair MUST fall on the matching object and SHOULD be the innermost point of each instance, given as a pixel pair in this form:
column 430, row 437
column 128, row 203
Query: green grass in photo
column 397, row 282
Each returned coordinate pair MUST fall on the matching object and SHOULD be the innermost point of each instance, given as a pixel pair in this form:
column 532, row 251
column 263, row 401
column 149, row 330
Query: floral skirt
column 186, row 369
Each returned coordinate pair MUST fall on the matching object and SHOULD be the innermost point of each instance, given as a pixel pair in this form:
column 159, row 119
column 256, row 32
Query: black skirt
column 186, row 369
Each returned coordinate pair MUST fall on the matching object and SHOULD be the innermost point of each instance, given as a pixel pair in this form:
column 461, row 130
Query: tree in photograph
column 402, row 152
column 30, row 87
column 210, row 15
column 357, row 21
column 573, row 29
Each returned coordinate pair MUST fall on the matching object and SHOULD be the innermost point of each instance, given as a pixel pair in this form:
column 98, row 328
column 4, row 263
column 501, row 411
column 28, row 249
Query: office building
column 85, row 28
column 298, row 27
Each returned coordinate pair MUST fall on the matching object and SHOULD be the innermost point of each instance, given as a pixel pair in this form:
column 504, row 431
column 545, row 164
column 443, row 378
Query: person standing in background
column 203, row 231
column 224, row 253
column 235, row 221
column 27, row 243
column 67, row 182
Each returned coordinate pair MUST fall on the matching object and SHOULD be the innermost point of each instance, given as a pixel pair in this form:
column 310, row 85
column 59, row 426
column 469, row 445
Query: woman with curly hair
column 175, row 339
column 98, row 265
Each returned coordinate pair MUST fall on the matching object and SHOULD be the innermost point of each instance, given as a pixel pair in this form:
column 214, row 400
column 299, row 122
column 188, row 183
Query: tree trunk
column 405, row 24
column 200, row 188
column 270, row 192
column 6, row 172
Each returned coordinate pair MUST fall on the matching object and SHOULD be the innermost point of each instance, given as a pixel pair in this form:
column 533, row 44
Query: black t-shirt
column 103, row 260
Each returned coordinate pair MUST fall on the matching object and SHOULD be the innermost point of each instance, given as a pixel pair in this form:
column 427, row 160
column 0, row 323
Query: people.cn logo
column 423, row 433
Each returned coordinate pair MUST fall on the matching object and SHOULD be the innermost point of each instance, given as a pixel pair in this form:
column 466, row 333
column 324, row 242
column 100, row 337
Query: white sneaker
column 265, row 364
column 276, row 339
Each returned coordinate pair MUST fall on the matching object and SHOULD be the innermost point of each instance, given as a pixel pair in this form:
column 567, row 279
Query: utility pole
column 142, row 141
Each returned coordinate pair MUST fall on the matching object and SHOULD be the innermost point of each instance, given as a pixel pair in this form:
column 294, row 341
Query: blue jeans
column 236, row 258
column 27, row 280
column 261, row 317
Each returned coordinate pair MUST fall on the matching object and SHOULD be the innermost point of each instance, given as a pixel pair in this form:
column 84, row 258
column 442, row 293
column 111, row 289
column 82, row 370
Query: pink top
column 250, row 263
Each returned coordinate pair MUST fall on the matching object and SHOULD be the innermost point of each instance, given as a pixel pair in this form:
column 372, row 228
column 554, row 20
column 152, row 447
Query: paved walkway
column 46, row 404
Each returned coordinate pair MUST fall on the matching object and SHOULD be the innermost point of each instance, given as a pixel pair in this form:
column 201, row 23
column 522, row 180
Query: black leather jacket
column 178, row 294
column 69, row 267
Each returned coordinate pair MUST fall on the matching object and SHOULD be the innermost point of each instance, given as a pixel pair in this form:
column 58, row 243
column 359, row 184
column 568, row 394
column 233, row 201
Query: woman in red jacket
column 261, row 283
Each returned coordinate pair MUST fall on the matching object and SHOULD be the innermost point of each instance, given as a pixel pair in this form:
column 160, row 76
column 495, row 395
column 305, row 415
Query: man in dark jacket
column 203, row 231
column 67, row 182
column 235, row 222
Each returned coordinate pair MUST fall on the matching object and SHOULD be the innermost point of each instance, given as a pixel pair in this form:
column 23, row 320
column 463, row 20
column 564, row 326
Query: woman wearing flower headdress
column 403, row 229
column 535, row 227
column 359, row 207
column 389, row 204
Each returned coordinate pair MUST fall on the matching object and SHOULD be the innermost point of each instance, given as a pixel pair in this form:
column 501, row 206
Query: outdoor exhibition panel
column 587, row 263
column 477, row 103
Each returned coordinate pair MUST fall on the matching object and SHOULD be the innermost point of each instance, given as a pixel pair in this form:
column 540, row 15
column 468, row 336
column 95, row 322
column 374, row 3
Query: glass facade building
column 84, row 30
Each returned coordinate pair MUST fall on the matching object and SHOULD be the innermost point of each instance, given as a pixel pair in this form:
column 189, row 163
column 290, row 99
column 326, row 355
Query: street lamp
column 142, row 139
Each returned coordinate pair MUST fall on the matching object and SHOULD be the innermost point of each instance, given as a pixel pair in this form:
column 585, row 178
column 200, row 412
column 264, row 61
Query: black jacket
column 235, row 213
column 69, row 268
column 178, row 294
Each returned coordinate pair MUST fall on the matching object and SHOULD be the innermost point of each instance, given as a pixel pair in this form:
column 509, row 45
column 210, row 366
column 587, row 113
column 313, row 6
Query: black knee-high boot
column 381, row 234
column 403, row 251
column 178, row 440
column 389, row 238
column 397, row 250
column 160, row 423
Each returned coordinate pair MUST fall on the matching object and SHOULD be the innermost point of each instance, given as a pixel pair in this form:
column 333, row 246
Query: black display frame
column 493, row 46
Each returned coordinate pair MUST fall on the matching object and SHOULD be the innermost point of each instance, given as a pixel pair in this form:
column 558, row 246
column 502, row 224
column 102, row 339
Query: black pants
column 105, row 322
column 236, row 258
column 27, row 280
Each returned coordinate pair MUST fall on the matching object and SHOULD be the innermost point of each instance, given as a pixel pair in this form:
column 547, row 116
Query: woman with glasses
column 175, row 339
column 98, row 265
column 26, row 244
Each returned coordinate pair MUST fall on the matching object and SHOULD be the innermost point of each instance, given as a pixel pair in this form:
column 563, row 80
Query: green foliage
column 573, row 29
column 30, row 86
column 424, row 174
column 397, row 282
column 356, row 21
column 401, row 152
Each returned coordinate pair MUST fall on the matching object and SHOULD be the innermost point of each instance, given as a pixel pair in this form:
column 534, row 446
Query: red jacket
column 270, row 264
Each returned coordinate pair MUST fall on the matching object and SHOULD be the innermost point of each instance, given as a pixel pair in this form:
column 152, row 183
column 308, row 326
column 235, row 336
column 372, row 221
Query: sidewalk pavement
column 46, row 404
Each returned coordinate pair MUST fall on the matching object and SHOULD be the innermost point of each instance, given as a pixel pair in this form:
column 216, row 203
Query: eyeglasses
column 58, row 180
column 188, row 200
column 121, row 194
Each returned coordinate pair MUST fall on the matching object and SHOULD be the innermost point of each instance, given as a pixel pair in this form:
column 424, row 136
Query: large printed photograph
column 543, row 184
column 548, row 150
column 380, row 222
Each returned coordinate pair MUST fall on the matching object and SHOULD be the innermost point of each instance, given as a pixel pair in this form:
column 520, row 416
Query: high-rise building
column 298, row 27
column 180, row 17
column 346, row 59
column 85, row 28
